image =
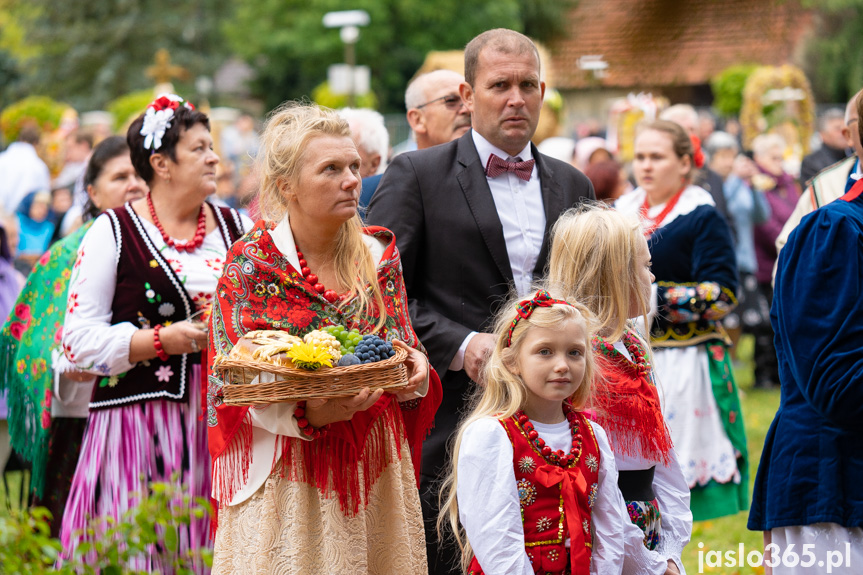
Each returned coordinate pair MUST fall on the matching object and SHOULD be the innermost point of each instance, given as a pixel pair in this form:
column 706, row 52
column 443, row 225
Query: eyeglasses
column 451, row 101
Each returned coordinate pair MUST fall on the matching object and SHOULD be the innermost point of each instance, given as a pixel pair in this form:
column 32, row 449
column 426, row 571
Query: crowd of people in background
column 101, row 352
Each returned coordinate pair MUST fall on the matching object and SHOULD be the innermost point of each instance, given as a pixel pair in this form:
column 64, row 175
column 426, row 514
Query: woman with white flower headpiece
column 138, row 299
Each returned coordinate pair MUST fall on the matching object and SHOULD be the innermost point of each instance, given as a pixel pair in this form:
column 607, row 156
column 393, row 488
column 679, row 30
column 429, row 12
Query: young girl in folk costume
column 600, row 257
column 534, row 487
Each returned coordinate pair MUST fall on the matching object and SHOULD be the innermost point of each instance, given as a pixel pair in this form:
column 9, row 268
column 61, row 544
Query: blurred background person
column 370, row 136
column 435, row 111
column 608, row 179
column 834, row 145
column 35, row 229
column 239, row 143
column 589, row 150
column 11, row 282
column 23, row 171
column 78, row 146
column 747, row 209
column 48, row 399
column 780, row 190
column 686, row 116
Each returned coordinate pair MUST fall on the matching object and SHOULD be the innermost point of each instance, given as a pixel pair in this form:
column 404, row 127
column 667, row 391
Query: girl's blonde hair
column 286, row 136
column 504, row 393
column 593, row 261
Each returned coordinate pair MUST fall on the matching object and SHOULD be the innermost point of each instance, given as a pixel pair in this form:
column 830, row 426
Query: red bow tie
column 497, row 166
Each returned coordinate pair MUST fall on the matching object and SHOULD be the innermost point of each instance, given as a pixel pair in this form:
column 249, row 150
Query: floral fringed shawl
column 32, row 332
column 260, row 289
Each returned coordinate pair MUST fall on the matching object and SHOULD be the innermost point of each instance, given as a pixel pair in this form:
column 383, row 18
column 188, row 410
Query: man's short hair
column 370, row 130
column 29, row 133
column 829, row 116
column 499, row 40
column 417, row 90
column 720, row 141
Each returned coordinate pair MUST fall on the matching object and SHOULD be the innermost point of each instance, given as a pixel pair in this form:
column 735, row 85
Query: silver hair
column 680, row 113
column 721, row 141
column 417, row 91
column 370, row 130
column 828, row 116
column 766, row 142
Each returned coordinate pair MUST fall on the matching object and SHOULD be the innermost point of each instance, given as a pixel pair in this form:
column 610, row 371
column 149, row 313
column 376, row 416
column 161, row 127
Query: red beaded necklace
column 657, row 221
column 330, row 295
column 633, row 346
column 558, row 457
column 181, row 246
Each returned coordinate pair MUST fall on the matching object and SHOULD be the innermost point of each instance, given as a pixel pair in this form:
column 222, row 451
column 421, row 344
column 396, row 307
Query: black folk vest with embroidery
column 148, row 292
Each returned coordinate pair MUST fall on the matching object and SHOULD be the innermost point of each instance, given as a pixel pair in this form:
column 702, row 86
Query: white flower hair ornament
column 157, row 119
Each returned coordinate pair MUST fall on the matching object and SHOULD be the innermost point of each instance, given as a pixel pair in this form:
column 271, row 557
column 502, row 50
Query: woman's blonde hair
column 284, row 141
column 593, row 260
column 504, row 393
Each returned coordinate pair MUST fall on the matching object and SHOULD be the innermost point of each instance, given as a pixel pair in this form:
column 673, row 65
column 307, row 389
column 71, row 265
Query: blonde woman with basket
column 329, row 486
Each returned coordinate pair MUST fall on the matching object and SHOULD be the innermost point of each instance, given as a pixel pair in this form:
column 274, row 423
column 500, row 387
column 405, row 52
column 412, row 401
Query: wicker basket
column 293, row 384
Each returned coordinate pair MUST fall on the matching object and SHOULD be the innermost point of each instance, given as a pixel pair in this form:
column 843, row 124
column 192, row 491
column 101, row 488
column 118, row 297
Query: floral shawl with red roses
column 33, row 331
column 259, row 289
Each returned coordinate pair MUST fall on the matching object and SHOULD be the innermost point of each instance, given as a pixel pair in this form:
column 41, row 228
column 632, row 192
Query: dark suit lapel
column 552, row 202
column 473, row 183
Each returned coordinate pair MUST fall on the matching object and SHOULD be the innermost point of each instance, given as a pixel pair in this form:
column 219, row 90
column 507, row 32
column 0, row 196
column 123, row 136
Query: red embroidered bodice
column 555, row 502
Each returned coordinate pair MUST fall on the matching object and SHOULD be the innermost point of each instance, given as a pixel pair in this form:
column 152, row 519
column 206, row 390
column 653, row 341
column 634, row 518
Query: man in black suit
column 468, row 239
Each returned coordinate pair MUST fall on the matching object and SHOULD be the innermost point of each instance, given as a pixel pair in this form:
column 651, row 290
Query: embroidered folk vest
column 553, row 510
column 148, row 293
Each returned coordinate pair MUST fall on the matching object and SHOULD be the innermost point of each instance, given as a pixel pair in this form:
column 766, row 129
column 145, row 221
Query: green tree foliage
column 92, row 51
column 728, row 87
column 39, row 109
column 834, row 56
column 287, row 44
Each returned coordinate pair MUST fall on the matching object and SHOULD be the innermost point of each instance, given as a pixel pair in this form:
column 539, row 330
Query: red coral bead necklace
column 188, row 246
column 558, row 458
column 330, row 295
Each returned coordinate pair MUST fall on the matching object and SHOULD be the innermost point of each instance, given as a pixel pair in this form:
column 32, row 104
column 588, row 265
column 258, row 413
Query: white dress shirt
column 522, row 216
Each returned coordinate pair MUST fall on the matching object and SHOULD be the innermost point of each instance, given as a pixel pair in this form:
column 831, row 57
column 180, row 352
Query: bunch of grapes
column 326, row 340
column 372, row 348
column 347, row 339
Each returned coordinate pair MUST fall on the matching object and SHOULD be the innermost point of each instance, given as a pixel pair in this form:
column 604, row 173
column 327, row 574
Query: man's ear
column 416, row 119
column 466, row 92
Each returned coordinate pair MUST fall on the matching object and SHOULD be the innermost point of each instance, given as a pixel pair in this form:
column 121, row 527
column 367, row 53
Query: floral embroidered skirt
column 702, row 408
column 646, row 515
column 127, row 448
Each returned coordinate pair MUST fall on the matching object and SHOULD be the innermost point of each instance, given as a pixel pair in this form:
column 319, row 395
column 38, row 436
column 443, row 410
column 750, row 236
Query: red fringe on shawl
column 627, row 406
column 334, row 463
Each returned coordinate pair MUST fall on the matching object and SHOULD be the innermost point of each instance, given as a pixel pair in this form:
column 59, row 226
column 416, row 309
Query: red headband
column 525, row 308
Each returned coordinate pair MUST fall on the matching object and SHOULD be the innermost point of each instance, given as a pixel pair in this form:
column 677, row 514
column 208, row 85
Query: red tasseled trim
column 231, row 468
column 627, row 406
column 337, row 469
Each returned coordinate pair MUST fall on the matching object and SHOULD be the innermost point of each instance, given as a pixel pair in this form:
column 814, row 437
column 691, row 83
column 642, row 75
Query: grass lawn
column 727, row 533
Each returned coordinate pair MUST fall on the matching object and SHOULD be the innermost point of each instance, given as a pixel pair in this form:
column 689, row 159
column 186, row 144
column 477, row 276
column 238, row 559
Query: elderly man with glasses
column 436, row 112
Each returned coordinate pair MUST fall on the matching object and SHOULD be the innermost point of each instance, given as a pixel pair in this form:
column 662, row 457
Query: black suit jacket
column 456, row 268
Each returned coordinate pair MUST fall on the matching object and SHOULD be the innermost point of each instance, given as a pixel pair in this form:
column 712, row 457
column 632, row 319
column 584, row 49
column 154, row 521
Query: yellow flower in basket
column 310, row 356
